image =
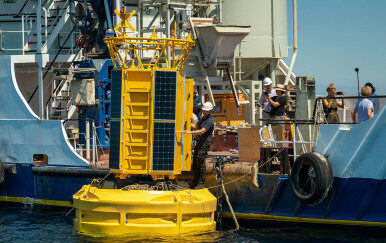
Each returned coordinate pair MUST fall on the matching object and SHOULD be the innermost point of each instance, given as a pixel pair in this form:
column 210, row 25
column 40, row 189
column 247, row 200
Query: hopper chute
column 216, row 45
column 218, row 42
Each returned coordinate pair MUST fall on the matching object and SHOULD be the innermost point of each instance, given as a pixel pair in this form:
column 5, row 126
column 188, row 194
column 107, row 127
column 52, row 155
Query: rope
column 93, row 194
column 229, row 182
column 145, row 187
column 160, row 187
column 92, row 182
column 219, row 176
column 72, row 209
column 249, row 172
column 230, row 206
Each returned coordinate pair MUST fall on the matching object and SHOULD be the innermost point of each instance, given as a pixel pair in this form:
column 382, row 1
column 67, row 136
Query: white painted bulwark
column 23, row 134
column 13, row 105
column 356, row 150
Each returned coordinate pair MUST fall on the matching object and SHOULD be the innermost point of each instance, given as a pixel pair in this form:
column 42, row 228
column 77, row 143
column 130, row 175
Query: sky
column 335, row 37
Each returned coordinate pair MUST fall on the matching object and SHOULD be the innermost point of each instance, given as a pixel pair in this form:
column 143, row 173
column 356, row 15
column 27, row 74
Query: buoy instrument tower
column 152, row 104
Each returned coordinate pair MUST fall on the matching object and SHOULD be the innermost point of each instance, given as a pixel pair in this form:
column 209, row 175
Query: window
column 218, row 107
column 40, row 159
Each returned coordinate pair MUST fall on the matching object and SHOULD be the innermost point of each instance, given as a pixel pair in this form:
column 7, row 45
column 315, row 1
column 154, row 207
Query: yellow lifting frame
column 138, row 98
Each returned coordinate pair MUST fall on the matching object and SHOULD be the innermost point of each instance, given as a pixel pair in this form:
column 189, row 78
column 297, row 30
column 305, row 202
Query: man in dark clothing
column 279, row 103
column 204, row 128
column 197, row 103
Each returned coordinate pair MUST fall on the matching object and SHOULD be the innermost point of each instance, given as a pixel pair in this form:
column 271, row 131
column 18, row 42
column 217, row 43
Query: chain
column 145, row 187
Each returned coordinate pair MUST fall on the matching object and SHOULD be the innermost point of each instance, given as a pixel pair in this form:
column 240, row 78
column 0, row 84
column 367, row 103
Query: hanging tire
column 311, row 178
column 2, row 173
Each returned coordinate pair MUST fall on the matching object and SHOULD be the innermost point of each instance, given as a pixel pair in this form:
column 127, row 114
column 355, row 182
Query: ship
column 58, row 98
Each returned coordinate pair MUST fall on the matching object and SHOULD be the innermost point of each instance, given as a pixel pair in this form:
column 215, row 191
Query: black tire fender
column 311, row 178
column 2, row 173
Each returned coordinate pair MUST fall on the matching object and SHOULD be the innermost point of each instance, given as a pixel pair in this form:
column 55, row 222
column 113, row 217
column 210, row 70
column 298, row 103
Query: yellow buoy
column 146, row 139
column 114, row 212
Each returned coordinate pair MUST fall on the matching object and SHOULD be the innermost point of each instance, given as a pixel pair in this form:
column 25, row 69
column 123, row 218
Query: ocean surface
column 49, row 224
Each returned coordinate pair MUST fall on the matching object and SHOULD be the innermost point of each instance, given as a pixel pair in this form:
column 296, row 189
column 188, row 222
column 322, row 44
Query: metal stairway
column 54, row 18
column 60, row 105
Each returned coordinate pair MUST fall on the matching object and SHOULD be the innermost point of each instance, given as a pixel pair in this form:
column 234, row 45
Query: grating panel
column 165, row 85
column 163, row 146
column 114, row 144
column 116, row 93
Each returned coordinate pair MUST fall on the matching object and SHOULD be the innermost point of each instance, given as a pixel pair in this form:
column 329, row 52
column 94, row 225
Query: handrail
column 343, row 98
column 25, row 4
column 294, row 141
column 56, row 88
column 59, row 15
column 48, row 28
column 52, row 62
column 22, row 8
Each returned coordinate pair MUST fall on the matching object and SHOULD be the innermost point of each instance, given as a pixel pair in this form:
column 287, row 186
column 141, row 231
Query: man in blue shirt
column 197, row 103
column 268, row 92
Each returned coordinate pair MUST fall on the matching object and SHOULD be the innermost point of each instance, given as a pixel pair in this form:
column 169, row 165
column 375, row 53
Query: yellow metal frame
column 137, row 118
column 122, row 46
column 134, row 45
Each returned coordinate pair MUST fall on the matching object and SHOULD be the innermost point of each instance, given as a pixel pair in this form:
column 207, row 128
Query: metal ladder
column 61, row 106
column 54, row 19
column 137, row 100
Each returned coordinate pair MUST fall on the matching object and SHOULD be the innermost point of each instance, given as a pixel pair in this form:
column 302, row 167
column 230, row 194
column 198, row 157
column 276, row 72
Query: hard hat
column 207, row 106
column 267, row 81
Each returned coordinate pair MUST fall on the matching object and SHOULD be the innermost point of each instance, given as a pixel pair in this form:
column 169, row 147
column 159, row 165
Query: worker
column 279, row 103
column 204, row 129
column 330, row 106
column 268, row 92
column 364, row 107
column 194, row 137
column 197, row 103
column 374, row 100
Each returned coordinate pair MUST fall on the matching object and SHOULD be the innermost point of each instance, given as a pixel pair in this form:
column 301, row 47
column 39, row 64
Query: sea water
column 49, row 224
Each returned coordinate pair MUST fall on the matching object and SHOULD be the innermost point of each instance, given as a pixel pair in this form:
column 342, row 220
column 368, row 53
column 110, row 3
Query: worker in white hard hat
column 268, row 92
column 204, row 129
column 197, row 102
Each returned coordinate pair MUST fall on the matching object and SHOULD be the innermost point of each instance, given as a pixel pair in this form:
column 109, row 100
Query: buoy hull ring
column 115, row 212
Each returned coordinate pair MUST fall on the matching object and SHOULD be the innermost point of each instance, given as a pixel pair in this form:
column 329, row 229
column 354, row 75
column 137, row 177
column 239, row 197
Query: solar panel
column 116, row 88
column 163, row 146
column 114, row 144
column 165, row 86
column 116, row 94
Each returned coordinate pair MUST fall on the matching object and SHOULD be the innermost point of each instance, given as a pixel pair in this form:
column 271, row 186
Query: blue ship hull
column 353, row 201
column 28, row 188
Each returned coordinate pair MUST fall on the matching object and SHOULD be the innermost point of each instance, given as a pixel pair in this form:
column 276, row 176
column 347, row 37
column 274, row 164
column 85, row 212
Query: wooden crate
column 250, row 144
